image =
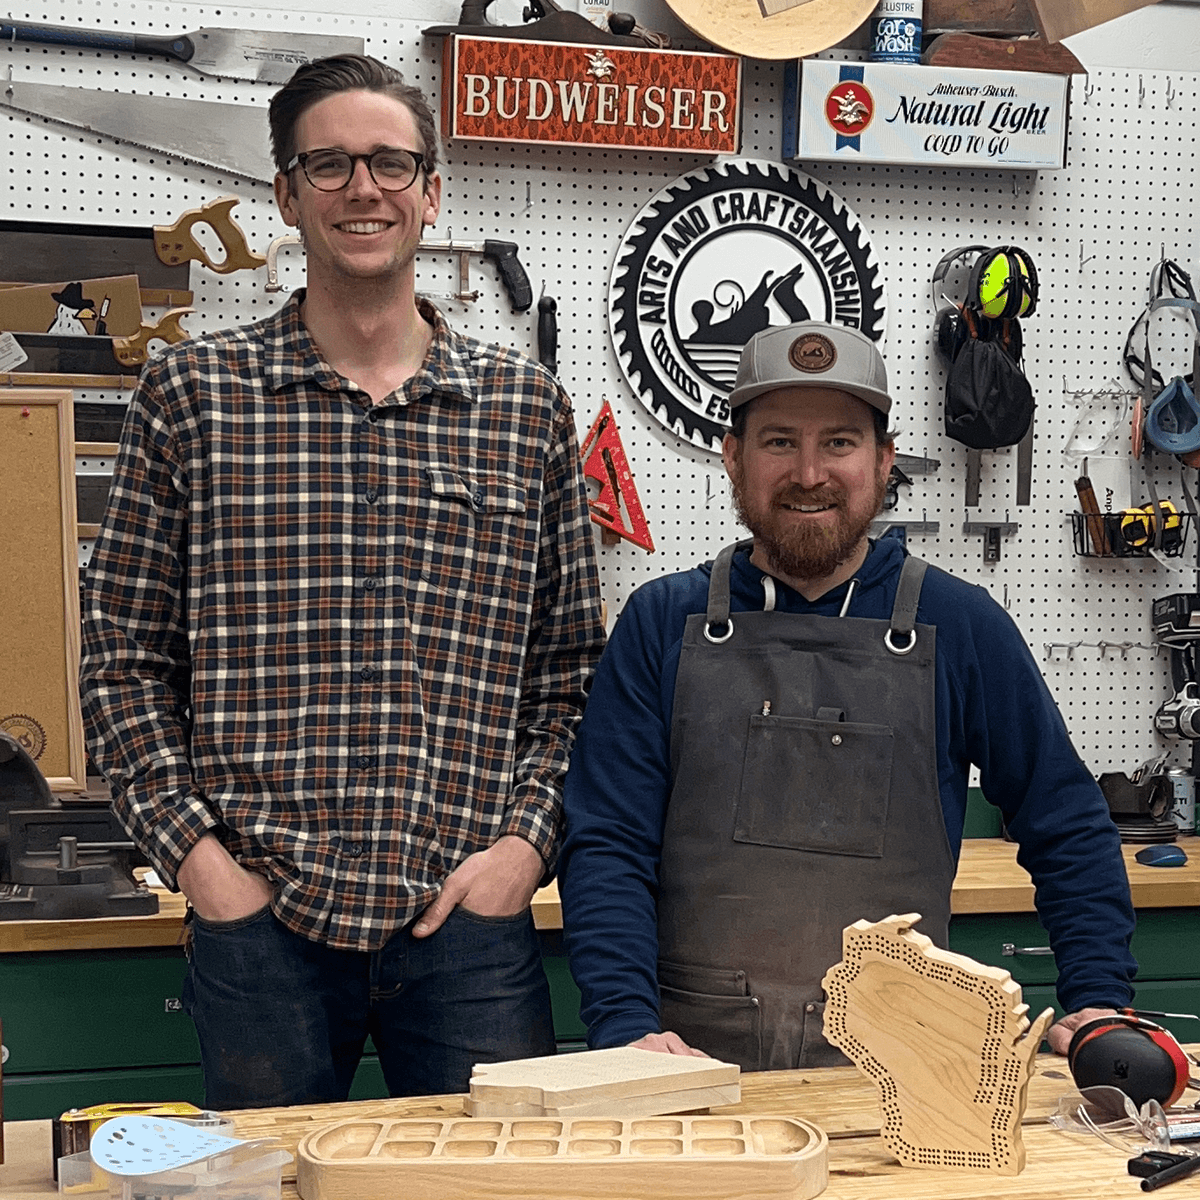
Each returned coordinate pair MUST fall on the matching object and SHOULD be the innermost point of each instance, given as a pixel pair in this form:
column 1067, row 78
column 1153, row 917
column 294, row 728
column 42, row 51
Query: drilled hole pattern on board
column 910, row 1015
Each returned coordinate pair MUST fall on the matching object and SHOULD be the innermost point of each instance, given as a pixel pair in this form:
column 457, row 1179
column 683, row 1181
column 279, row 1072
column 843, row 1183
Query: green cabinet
column 1165, row 945
column 100, row 1026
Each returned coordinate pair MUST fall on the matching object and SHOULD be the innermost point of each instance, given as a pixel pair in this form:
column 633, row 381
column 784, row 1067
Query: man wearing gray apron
column 774, row 748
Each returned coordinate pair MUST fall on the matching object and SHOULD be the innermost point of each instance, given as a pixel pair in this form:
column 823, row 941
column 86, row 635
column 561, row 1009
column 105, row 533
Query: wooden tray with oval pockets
column 541, row 1158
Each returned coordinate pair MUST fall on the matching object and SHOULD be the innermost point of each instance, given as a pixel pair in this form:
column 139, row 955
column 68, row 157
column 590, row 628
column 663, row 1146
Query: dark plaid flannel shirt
column 353, row 641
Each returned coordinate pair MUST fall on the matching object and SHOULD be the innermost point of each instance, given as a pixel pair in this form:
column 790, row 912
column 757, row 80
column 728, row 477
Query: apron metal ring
column 717, row 641
column 901, row 650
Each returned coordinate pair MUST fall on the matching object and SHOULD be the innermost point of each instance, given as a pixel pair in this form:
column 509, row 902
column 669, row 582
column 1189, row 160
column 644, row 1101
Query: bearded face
column 808, row 479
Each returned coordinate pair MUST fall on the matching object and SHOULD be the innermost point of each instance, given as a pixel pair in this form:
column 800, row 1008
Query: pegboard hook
column 1089, row 90
column 1141, row 92
column 1053, row 648
column 1083, row 262
column 1170, row 95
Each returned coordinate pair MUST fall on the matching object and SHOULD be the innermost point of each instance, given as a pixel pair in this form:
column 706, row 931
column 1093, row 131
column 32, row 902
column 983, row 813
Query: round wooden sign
column 773, row 28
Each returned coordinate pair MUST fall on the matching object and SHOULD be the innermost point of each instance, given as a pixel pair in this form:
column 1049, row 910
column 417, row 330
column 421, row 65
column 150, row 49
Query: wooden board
column 622, row 1081
column 802, row 27
column 978, row 16
column 1000, row 54
column 839, row 1099
column 1057, row 19
column 703, row 1158
column 33, row 308
column 148, row 297
column 989, row 881
column 946, row 1041
column 39, row 632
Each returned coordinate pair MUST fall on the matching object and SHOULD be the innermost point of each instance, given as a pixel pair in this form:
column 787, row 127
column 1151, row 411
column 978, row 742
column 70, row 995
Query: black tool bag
column 989, row 402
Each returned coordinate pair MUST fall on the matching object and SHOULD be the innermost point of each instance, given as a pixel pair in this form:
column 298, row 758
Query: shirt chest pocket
column 477, row 528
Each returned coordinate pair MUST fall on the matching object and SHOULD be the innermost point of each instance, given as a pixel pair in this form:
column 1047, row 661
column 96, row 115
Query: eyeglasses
column 393, row 170
column 1111, row 1115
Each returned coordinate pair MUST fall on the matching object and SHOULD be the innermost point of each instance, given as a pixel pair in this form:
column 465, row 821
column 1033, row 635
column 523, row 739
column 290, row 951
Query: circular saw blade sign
column 718, row 255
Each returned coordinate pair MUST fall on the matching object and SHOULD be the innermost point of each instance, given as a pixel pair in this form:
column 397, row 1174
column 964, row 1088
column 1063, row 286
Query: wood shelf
column 989, row 880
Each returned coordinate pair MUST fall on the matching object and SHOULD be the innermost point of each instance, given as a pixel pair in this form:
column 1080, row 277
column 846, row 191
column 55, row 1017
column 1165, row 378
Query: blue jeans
column 283, row 1020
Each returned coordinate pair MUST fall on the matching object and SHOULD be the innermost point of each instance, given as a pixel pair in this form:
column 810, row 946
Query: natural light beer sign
column 500, row 90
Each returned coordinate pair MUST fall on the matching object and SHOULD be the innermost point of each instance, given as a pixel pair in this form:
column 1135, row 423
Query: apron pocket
column 815, row 1051
column 726, row 1023
column 815, row 785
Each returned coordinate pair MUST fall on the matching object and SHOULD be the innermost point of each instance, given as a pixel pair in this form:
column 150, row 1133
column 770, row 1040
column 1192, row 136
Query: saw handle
column 176, row 244
column 132, row 351
column 179, row 48
column 474, row 12
column 512, row 274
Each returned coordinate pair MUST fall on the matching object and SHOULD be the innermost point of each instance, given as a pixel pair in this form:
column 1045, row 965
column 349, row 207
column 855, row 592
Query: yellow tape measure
column 1139, row 526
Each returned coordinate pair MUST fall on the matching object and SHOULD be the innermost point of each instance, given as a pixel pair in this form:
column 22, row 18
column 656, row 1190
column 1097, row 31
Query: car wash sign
column 718, row 255
column 932, row 116
column 560, row 93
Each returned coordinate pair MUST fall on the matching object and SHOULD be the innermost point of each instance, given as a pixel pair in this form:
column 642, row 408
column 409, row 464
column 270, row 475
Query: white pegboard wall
column 1094, row 229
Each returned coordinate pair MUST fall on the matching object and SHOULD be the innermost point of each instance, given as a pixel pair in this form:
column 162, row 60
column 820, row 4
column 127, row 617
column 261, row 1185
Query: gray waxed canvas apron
column 804, row 798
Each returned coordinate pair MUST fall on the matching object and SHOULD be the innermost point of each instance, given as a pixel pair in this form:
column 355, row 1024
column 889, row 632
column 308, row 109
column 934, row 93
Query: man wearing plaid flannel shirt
column 341, row 617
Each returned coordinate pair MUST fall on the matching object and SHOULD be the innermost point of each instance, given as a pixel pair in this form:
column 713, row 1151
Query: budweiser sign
column 497, row 90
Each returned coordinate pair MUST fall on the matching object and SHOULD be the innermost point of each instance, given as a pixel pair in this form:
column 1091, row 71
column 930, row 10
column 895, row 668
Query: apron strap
column 901, row 637
column 718, row 627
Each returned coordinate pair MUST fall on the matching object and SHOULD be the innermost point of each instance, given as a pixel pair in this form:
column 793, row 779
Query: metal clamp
column 277, row 244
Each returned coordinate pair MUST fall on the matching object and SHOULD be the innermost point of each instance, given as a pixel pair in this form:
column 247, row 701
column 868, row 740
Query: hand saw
column 245, row 54
column 232, row 138
column 51, row 252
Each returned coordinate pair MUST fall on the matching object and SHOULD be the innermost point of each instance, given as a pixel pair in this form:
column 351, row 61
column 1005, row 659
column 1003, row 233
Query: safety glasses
column 1109, row 1114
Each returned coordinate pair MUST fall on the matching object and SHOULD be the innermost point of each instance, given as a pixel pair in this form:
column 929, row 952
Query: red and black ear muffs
column 1137, row 1056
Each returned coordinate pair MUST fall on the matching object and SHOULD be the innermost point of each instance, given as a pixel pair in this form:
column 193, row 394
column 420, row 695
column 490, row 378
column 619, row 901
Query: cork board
column 39, row 582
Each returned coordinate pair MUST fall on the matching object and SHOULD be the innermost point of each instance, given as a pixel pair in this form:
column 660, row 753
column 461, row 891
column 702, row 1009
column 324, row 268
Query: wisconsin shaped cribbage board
column 946, row 1040
column 593, row 1158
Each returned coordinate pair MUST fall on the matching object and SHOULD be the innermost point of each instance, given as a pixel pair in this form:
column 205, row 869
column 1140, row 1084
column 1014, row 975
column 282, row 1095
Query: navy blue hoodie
column 993, row 709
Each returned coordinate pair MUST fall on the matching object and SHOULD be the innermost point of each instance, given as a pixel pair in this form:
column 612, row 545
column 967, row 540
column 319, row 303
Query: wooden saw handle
column 132, row 351
column 176, row 244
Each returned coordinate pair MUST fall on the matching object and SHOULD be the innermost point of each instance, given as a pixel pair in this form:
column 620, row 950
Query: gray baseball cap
column 812, row 354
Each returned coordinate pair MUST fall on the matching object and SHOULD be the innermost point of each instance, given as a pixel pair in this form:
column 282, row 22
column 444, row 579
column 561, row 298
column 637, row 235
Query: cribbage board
column 539, row 1158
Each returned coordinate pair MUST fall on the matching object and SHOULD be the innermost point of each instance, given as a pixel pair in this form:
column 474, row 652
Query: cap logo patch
column 813, row 354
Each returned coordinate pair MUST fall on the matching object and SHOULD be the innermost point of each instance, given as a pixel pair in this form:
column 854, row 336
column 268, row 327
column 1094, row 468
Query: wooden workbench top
column 840, row 1100
column 989, row 881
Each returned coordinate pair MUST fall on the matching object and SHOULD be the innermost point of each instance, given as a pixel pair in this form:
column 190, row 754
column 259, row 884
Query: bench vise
column 57, row 862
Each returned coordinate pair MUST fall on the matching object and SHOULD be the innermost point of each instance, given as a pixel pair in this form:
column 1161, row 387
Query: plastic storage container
column 252, row 1174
